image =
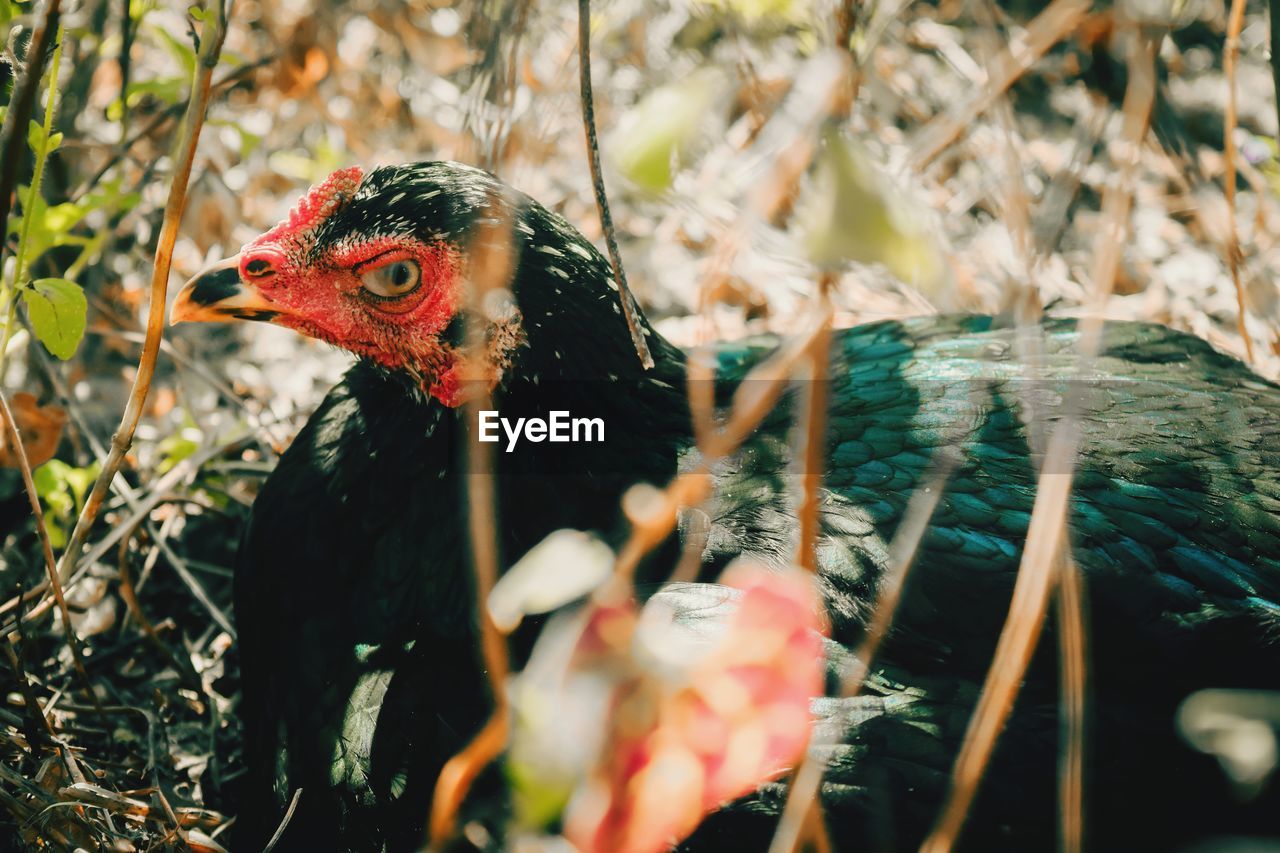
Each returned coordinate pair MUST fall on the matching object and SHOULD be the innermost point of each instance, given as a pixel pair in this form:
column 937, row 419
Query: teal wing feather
column 1175, row 516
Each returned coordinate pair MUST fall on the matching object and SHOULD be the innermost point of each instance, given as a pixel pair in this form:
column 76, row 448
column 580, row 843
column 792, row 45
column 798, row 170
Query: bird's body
column 353, row 590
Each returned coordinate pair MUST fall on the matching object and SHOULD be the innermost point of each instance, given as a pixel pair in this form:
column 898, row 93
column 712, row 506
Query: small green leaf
column 36, row 139
column 62, row 489
column 180, row 49
column 852, row 211
column 654, row 138
column 57, row 308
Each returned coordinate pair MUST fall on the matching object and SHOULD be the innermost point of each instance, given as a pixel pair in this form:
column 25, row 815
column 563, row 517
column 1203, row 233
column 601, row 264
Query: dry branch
column 493, row 269
column 1230, row 59
column 1057, row 20
column 1046, row 539
column 597, row 182
column 33, row 497
column 214, row 32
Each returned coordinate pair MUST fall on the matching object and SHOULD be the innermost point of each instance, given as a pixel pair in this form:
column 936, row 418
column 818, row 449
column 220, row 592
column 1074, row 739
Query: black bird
column 353, row 598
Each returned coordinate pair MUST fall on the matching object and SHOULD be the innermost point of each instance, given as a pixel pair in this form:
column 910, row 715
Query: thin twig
column 1046, row 539
column 755, row 398
column 130, row 596
column 1073, row 652
column 126, row 49
column 493, row 268
column 1273, row 19
column 33, row 497
column 802, row 797
column 1053, row 24
column 120, row 151
column 189, row 135
column 597, row 181
column 284, row 822
column 1230, row 58
column 34, row 712
column 813, row 452
column 1027, row 311
column 13, row 135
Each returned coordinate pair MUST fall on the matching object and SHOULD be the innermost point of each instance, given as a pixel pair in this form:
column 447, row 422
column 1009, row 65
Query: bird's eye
column 393, row 280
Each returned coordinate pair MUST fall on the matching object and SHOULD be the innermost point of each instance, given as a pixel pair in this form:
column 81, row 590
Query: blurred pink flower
column 680, row 747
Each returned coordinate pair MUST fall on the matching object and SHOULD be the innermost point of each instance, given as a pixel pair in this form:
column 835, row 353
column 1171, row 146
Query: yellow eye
column 393, row 280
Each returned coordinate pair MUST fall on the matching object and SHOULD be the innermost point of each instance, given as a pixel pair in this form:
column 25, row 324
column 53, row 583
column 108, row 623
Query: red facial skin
column 324, row 297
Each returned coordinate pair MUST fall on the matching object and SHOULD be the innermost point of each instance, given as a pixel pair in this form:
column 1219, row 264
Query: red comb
column 319, row 202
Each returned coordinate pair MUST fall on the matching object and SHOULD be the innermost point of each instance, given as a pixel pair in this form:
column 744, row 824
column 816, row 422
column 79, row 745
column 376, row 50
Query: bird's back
column 1175, row 526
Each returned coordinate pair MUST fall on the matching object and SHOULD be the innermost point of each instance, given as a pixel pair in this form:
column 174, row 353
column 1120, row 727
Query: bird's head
column 377, row 264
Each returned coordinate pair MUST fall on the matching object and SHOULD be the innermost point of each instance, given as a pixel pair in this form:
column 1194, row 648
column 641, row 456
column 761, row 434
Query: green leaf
column 178, row 446
column 180, row 49
column 654, row 138
column 57, row 308
column 62, row 489
column 851, row 211
column 37, row 141
column 790, row 11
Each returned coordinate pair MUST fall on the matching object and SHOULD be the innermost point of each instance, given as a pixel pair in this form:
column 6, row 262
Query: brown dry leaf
column 40, row 427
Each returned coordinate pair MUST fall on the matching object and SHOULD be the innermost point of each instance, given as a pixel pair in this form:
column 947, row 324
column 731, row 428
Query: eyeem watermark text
column 559, row 427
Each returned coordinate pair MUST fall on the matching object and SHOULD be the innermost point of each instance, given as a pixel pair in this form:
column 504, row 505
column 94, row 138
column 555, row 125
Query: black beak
column 218, row 295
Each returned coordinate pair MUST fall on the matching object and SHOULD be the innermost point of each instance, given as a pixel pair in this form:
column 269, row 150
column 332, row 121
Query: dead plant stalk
column 493, row 268
column 1044, row 549
column 597, row 182
column 213, row 33
column 1230, row 59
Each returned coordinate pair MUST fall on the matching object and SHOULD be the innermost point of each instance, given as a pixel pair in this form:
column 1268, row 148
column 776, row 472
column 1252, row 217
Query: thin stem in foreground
column 24, row 465
column 1230, row 58
column 13, row 135
column 493, row 267
column 597, row 181
column 214, row 32
column 802, row 797
column 1046, row 533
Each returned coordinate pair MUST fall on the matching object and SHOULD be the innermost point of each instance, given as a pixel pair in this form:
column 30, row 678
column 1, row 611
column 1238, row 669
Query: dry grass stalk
column 33, row 497
column 130, row 596
column 1071, row 647
column 13, row 135
column 597, row 182
column 813, row 447
column 801, row 809
column 1073, row 653
column 1230, row 59
column 1046, row 540
column 492, row 270
column 1053, row 24
column 213, row 33
column 756, row 396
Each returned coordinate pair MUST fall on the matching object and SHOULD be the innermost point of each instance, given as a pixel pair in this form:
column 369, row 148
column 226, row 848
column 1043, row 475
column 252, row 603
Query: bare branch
column 597, row 181
column 1046, row 539
column 13, row 135
column 33, row 497
column 1049, row 27
column 185, row 150
column 492, row 270
column 1230, row 59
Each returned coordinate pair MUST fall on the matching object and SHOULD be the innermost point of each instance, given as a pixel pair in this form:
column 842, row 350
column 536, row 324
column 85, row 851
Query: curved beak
column 218, row 295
